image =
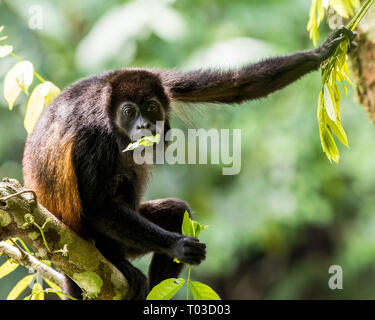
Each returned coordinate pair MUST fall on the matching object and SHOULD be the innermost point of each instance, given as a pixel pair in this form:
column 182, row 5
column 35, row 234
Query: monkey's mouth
column 137, row 138
column 142, row 134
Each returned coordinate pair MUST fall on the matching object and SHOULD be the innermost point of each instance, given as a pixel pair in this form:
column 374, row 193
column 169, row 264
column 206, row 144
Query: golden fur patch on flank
column 59, row 194
column 66, row 202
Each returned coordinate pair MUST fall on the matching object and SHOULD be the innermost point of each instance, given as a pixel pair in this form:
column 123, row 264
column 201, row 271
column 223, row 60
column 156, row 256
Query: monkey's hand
column 327, row 49
column 188, row 250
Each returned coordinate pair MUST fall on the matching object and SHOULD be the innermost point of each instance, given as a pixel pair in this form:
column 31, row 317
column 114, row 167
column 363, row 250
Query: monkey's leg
column 115, row 252
column 167, row 213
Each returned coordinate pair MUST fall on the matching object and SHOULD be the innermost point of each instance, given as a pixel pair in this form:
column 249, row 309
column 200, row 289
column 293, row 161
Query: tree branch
column 28, row 261
column 23, row 217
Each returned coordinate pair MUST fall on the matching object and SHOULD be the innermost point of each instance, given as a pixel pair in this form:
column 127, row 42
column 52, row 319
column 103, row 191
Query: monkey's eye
column 152, row 107
column 128, row 112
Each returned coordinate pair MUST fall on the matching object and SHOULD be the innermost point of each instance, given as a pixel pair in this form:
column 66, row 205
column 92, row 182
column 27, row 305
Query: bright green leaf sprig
column 334, row 70
column 316, row 16
column 344, row 8
column 19, row 78
column 167, row 289
column 329, row 118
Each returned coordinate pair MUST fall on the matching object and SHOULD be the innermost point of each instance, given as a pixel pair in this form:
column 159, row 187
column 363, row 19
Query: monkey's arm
column 252, row 81
column 121, row 223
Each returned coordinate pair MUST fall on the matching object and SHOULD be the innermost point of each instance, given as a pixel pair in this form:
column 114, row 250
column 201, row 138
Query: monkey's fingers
column 191, row 261
column 193, row 258
column 196, row 244
column 343, row 31
column 354, row 35
column 194, row 251
column 199, row 252
column 353, row 45
column 335, row 42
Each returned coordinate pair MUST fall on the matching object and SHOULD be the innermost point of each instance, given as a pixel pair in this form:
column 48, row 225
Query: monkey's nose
column 143, row 125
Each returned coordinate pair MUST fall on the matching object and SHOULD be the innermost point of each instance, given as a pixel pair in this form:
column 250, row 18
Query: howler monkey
column 74, row 162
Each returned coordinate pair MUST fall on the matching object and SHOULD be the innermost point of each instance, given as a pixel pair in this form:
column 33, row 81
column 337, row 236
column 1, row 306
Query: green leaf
column 50, row 92
column 345, row 73
column 34, row 108
column 355, row 3
column 37, row 293
column 41, row 96
column 198, row 227
column 316, row 16
column 7, row 267
column 339, row 131
column 5, row 50
column 187, row 225
column 20, row 287
column 166, row 289
column 55, row 287
column 320, row 109
column 329, row 102
column 202, row 291
column 342, row 7
column 18, row 78
column 190, row 227
column 329, row 145
column 145, row 141
column 320, row 11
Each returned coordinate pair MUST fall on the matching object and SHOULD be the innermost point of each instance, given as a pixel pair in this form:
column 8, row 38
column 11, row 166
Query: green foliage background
column 275, row 228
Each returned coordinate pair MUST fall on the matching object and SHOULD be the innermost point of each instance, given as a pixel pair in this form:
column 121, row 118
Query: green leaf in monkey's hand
column 190, row 227
column 166, row 289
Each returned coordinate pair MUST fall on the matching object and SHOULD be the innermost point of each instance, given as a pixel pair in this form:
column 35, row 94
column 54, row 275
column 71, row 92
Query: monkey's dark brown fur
column 73, row 159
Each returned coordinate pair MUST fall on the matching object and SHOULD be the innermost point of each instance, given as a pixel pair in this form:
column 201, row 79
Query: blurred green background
column 275, row 228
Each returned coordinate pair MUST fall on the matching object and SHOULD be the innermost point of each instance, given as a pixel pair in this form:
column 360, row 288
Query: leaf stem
column 23, row 245
column 42, row 233
column 359, row 15
column 188, row 283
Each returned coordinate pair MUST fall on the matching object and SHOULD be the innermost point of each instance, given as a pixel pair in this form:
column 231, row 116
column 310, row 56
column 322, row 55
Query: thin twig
column 32, row 263
column 17, row 194
column 23, row 253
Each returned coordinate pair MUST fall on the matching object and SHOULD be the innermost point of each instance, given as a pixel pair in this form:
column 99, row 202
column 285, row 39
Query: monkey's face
column 139, row 119
column 139, row 101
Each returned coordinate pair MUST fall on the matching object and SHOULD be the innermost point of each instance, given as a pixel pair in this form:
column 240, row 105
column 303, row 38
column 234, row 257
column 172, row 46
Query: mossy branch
column 76, row 257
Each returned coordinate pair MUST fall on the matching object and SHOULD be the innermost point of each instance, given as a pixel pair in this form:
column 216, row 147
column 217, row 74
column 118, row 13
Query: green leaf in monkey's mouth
column 145, row 141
